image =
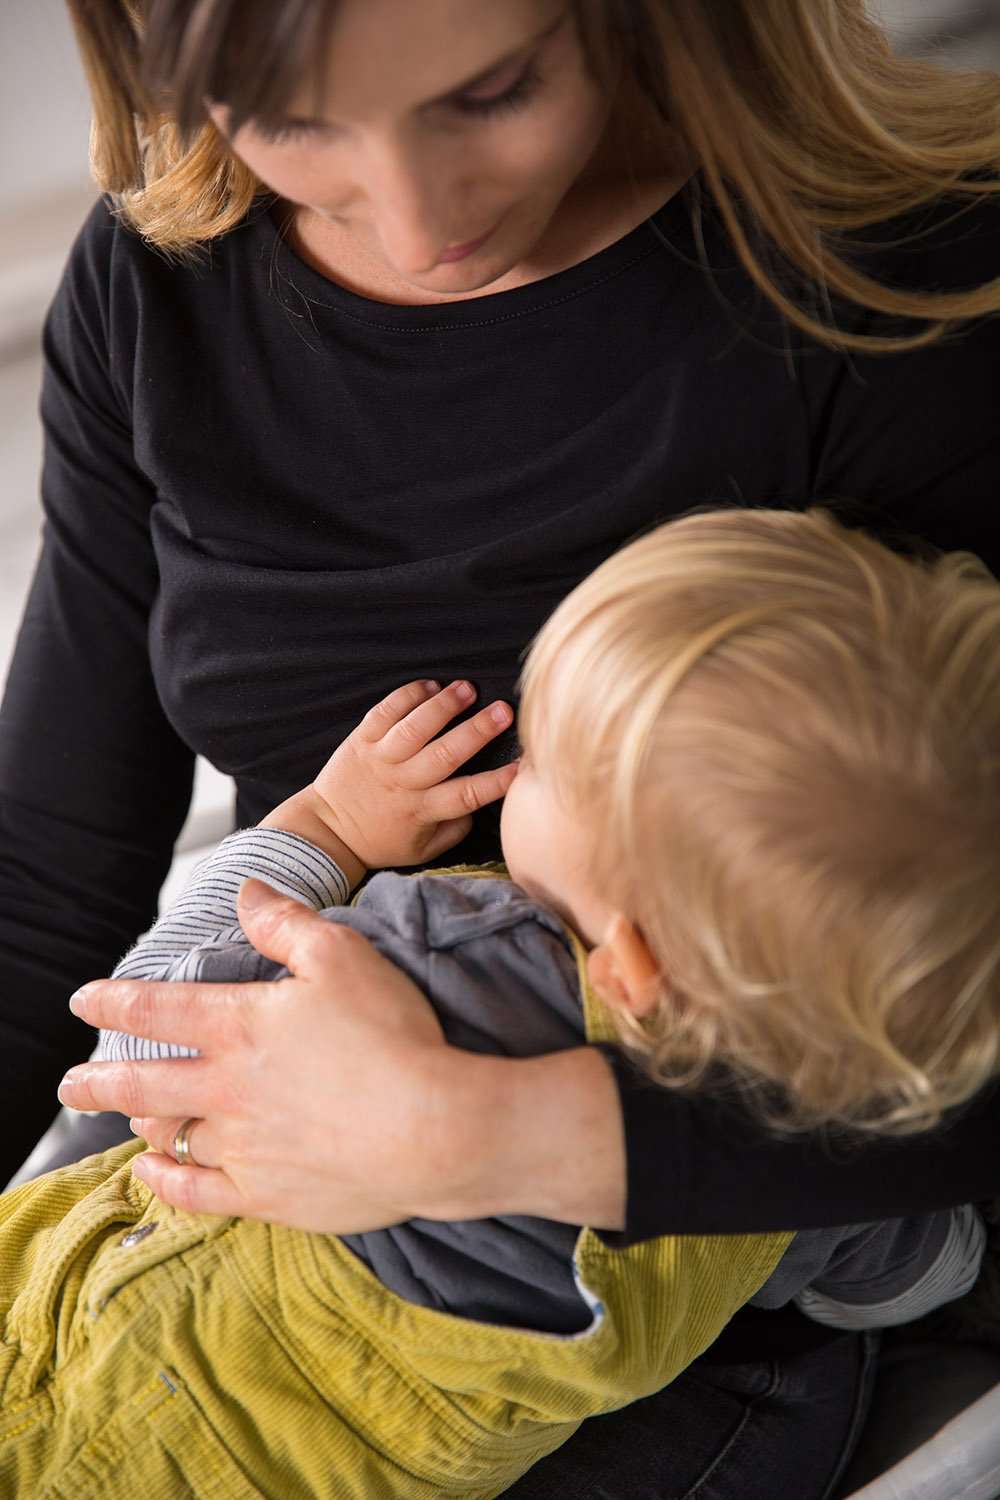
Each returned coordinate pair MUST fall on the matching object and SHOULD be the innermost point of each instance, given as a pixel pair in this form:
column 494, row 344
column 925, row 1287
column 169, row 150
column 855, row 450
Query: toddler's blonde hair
column 783, row 742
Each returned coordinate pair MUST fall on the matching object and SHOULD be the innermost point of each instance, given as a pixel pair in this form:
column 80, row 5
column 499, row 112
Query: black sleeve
column 698, row 1164
column 94, row 783
column 908, row 446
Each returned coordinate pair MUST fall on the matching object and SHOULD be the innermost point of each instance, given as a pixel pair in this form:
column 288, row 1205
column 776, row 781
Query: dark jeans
column 767, row 1430
column 921, row 1384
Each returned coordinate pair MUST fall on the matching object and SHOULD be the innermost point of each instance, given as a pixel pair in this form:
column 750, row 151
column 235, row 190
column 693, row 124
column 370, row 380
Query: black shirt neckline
column 324, row 294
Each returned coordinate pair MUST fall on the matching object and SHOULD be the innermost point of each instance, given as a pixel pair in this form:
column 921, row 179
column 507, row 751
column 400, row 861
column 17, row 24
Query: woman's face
column 442, row 121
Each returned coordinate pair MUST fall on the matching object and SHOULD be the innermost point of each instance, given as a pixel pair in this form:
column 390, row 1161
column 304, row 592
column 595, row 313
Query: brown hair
column 782, row 741
column 806, row 128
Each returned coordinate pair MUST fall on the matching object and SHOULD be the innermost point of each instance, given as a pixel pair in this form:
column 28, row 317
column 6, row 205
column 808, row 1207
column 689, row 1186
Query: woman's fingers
column 195, row 1015
column 175, row 1086
column 161, row 1134
column 196, row 1190
column 292, row 934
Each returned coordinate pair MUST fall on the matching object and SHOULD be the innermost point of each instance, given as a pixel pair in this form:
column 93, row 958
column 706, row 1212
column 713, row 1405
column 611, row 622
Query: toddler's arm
column 203, row 918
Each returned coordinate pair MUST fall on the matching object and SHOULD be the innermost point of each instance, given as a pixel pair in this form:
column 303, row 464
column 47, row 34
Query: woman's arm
column 382, row 1121
column 94, row 783
column 704, row 1164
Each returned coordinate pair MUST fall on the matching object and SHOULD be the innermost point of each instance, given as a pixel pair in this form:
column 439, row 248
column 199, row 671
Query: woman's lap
column 752, row 1431
column 748, row 1431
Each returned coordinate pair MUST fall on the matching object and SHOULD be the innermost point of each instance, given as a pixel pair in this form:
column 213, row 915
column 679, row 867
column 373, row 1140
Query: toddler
column 754, row 833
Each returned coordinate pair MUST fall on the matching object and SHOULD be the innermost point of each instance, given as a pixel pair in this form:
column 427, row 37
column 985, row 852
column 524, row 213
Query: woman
column 504, row 284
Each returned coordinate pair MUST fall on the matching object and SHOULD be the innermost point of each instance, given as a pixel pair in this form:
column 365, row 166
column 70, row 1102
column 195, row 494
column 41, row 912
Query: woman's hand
column 268, row 1090
column 388, row 794
column 330, row 1101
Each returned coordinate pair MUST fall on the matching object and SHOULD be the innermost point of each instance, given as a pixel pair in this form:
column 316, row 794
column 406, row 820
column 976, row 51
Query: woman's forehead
column 336, row 59
column 400, row 55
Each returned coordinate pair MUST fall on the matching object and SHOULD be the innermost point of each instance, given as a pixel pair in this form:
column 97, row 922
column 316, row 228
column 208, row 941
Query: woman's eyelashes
column 279, row 132
column 512, row 98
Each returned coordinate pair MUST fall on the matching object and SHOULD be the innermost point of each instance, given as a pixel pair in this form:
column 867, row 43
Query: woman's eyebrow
column 470, row 83
column 502, row 62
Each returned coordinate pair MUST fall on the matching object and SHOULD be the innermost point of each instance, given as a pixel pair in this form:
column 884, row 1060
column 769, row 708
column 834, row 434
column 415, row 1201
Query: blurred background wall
column 963, row 32
column 44, row 183
column 45, row 192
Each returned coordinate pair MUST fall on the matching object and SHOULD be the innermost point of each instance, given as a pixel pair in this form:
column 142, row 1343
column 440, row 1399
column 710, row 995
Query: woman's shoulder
column 949, row 244
column 119, row 294
column 109, row 255
column 911, row 436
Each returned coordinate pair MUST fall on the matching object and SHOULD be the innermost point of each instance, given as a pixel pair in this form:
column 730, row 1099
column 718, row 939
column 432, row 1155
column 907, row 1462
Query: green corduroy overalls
column 150, row 1354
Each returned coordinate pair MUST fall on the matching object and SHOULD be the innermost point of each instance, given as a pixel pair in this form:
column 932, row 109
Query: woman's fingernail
column 465, row 691
column 64, row 1088
column 432, row 686
column 133, row 1125
column 78, row 1000
column 500, row 713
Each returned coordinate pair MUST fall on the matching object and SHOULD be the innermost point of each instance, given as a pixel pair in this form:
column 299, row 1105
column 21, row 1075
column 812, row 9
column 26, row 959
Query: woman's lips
column 459, row 252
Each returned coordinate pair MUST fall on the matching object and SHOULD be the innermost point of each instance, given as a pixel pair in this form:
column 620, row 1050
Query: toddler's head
column 762, row 781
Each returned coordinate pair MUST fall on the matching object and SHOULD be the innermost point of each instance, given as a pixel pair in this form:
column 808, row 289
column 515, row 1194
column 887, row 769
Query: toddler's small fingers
column 446, row 836
column 403, row 700
column 463, row 795
column 419, row 727
column 443, row 756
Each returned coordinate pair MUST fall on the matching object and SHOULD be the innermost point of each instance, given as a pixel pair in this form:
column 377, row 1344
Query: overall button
column 137, row 1235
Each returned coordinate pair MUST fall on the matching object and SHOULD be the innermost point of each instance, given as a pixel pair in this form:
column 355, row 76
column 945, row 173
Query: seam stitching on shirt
column 482, row 323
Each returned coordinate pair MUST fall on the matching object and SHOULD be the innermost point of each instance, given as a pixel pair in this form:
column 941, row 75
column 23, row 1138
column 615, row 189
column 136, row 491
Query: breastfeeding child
column 754, row 832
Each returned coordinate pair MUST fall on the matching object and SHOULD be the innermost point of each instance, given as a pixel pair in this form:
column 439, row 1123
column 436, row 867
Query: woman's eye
column 512, row 98
column 280, row 133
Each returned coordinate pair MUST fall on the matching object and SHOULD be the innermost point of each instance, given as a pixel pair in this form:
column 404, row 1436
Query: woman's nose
column 410, row 199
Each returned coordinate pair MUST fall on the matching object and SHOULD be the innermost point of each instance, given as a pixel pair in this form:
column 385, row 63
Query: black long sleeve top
column 269, row 500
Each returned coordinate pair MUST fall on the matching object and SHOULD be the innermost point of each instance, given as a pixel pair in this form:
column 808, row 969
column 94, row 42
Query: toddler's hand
column 384, row 796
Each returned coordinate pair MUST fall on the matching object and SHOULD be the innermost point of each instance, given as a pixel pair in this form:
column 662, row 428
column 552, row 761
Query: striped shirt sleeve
column 203, row 918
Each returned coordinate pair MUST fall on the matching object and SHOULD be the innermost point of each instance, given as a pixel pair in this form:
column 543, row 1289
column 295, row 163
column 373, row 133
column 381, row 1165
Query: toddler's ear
column 622, row 969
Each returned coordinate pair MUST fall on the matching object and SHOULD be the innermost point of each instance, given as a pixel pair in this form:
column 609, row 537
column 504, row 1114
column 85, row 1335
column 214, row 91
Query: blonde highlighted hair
column 783, row 742
column 806, row 128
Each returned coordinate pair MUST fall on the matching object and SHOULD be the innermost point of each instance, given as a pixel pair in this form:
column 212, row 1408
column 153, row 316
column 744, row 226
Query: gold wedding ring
column 182, row 1143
